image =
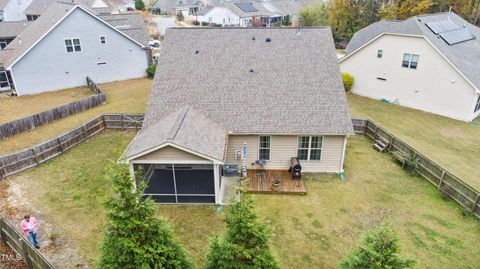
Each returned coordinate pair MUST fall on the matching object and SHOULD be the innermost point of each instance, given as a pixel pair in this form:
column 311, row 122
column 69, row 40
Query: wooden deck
column 261, row 182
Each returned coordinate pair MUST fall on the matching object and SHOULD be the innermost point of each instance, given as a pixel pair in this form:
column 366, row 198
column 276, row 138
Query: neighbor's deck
column 263, row 183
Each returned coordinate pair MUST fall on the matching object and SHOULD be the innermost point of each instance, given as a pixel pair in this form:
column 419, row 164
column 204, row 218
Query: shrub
column 195, row 22
column 216, row 25
column 204, row 23
column 139, row 5
column 379, row 250
column 244, row 244
column 348, row 81
column 134, row 236
column 151, row 70
column 180, row 16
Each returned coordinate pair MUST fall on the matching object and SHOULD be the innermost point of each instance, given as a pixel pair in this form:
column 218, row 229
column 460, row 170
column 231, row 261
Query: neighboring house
column 10, row 30
column 13, row 10
column 284, row 8
column 187, row 7
column 284, row 99
column 428, row 62
column 218, row 15
column 38, row 7
column 243, row 14
column 67, row 44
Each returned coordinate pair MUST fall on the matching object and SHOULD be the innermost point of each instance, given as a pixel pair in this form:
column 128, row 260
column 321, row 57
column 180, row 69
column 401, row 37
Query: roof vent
column 253, row 38
column 268, row 40
column 196, row 52
column 251, row 71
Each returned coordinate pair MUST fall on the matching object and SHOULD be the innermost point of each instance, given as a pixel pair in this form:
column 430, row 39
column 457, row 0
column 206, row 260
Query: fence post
column 84, row 132
column 477, row 201
column 27, row 259
column 441, row 180
column 34, row 156
column 121, row 121
column 60, row 144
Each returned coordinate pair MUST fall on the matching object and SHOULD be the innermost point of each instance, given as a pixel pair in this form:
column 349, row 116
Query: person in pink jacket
column 30, row 227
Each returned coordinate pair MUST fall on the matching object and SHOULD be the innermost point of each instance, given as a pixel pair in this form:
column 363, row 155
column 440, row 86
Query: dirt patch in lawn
column 55, row 247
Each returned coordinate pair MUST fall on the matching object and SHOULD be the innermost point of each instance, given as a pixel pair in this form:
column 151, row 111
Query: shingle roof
column 131, row 24
column 12, row 29
column 464, row 56
column 290, row 85
column 285, row 7
column 34, row 32
column 186, row 128
column 44, row 23
column 261, row 11
column 38, row 7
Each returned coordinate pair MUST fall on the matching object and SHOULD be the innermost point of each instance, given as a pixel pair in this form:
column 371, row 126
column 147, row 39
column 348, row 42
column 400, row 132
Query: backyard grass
column 312, row 231
column 128, row 96
column 455, row 145
column 15, row 107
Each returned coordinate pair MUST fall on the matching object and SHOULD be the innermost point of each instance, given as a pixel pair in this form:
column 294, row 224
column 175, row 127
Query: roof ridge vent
column 178, row 123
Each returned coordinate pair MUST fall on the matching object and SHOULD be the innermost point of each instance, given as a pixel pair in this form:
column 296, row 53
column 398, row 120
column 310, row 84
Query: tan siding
column 169, row 153
column 285, row 147
column 331, row 160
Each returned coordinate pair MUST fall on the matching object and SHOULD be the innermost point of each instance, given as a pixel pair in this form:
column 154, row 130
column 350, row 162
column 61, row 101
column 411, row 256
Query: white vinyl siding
column 283, row 148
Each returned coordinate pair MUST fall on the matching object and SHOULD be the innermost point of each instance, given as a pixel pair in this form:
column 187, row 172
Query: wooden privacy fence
column 446, row 182
column 31, row 256
column 24, row 124
column 31, row 157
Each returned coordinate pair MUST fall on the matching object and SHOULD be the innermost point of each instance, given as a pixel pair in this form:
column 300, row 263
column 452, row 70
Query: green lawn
column 312, row 231
column 453, row 144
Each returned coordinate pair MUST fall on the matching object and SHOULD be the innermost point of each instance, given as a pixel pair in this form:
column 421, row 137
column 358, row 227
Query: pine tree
column 139, row 5
column 379, row 250
column 245, row 243
column 134, row 236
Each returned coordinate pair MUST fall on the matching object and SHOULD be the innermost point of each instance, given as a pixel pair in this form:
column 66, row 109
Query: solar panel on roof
column 246, row 7
column 450, row 32
column 457, row 36
column 442, row 26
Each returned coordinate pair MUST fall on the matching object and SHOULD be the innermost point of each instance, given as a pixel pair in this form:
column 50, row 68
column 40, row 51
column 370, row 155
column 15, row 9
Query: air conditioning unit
column 238, row 155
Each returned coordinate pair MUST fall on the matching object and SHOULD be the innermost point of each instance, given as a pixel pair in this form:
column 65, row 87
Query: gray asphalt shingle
column 12, row 28
column 290, row 85
column 186, row 128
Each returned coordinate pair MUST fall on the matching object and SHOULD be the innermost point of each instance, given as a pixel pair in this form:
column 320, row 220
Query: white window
column 73, row 45
column 477, row 106
column 379, row 54
column 264, row 148
column 309, row 148
column 102, row 40
column 410, row 60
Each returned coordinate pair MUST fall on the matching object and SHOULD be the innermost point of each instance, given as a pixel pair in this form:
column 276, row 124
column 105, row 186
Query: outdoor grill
column 295, row 168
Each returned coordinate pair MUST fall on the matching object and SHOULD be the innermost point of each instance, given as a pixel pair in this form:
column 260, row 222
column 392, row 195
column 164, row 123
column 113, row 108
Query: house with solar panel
column 429, row 62
column 243, row 14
